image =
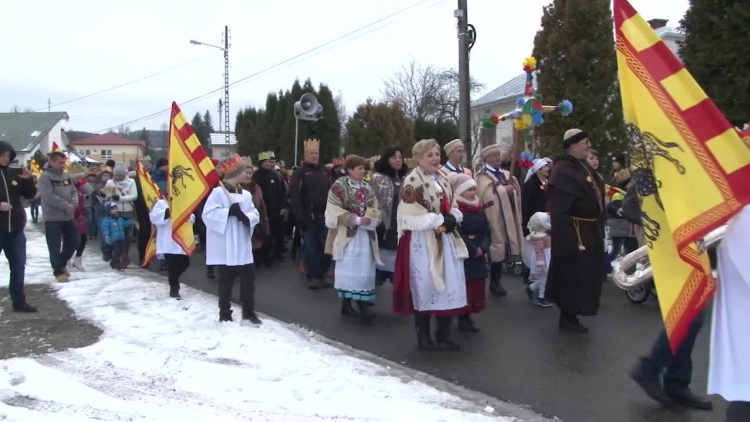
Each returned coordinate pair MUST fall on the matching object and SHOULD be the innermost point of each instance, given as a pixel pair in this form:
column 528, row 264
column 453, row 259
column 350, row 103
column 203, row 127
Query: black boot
column 442, row 335
column 364, row 311
column 466, row 325
column 496, row 273
column 225, row 316
column 174, row 291
column 347, row 308
column 210, row 272
column 424, row 341
column 569, row 322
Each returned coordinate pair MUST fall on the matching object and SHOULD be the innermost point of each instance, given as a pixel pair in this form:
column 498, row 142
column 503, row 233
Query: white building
column 220, row 150
column 32, row 132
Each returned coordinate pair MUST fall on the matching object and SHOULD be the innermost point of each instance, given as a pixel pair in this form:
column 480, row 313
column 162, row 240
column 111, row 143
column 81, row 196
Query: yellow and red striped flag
column 190, row 178
column 690, row 165
column 151, row 194
column 35, row 169
column 56, row 147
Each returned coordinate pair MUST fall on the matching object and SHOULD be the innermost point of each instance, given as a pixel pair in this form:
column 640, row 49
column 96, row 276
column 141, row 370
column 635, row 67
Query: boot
column 225, row 316
column 78, row 264
column 252, row 317
column 125, row 262
column 210, row 272
column 466, row 325
column 569, row 322
column 424, row 341
column 174, row 291
column 347, row 308
column 496, row 273
column 24, row 307
column 442, row 335
column 364, row 311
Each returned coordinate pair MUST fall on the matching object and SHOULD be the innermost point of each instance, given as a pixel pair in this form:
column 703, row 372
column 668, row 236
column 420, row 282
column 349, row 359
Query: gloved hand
column 235, row 210
column 449, row 222
column 166, row 214
column 115, row 198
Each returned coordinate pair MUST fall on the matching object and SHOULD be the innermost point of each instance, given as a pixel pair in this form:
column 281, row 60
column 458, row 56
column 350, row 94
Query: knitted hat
column 487, row 151
column 231, row 167
column 120, row 170
column 461, row 182
column 539, row 226
column 161, row 162
column 450, row 146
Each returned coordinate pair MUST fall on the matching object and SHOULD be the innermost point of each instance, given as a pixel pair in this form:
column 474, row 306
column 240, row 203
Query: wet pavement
column 519, row 356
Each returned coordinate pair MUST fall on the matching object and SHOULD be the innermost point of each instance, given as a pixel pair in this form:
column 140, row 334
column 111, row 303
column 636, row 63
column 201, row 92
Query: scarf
column 342, row 206
column 419, row 197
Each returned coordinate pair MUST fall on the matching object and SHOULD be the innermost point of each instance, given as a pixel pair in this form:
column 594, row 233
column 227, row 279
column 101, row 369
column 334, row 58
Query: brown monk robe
column 576, row 270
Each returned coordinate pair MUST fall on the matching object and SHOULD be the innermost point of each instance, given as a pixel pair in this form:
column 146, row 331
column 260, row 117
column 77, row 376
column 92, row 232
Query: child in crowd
column 113, row 231
column 537, row 257
column 475, row 231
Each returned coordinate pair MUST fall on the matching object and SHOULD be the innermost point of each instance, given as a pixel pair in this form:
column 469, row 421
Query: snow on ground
column 166, row 360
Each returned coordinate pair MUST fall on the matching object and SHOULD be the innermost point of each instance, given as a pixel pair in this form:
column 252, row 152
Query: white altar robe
column 164, row 242
column 228, row 241
column 729, row 363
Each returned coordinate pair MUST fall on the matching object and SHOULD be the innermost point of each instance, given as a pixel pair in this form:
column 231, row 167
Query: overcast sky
column 67, row 49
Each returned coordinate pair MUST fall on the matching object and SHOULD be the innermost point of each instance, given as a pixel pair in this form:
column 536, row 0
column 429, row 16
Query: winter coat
column 128, row 193
column 475, row 231
column 533, row 200
column 12, row 188
column 503, row 212
column 263, row 229
column 114, row 227
column 273, row 192
column 58, row 192
column 80, row 215
column 309, row 193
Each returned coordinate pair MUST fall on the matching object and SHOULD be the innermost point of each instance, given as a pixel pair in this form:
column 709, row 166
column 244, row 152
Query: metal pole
column 296, row 137
column 226, row 85
column 464, row 103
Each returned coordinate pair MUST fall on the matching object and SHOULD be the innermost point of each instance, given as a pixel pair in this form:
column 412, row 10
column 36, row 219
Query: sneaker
column 529, row 292
column 24, row 307
column 544, row 303
column 62, row 278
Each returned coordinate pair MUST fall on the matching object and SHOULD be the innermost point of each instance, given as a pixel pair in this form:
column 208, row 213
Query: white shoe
column 78, row 264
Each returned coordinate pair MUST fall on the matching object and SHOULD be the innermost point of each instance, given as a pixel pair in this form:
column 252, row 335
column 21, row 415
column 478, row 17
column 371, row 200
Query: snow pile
column 166, row 360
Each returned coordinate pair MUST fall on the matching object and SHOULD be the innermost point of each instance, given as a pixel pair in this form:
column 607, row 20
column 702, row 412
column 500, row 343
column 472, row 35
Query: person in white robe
column 351, row 238
column 230, row 217
column 177, row 261
column 729, row 362
column 429, row 278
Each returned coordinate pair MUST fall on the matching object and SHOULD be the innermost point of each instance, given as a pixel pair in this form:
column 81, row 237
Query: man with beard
column 576, row 269
column 309, row 196
column 275, row 199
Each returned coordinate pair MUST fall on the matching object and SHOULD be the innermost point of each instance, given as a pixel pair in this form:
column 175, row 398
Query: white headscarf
column 538, row 164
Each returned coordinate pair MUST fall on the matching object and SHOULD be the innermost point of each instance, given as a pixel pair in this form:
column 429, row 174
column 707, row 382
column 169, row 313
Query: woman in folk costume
column 475, row 231
column 387, row 180
column 429, row 278
column 175, row 257
column 351, row 238
column 500, row 196
column 230, row 217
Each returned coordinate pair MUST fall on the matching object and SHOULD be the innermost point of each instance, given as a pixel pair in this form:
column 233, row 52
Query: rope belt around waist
column 576, row 224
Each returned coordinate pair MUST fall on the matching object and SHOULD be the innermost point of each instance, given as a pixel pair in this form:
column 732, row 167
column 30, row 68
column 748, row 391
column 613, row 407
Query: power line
column 125, row 84
column 274, row 66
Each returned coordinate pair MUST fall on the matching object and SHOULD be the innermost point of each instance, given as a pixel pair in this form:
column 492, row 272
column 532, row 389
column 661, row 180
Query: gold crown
column 410, row 162
column 75, row 169
column 266, row 155
column 338, row 161
column 312, row 144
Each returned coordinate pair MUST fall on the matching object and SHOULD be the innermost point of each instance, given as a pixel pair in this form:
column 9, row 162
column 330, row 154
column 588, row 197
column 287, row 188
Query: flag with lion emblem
column 190, row 177
column 689, row 164
column 151, row 194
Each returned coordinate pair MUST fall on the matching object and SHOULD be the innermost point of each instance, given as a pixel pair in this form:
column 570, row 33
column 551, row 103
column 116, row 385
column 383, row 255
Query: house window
column 86, row 152
column 487, row 111
column 225, row 155
column 106, row 154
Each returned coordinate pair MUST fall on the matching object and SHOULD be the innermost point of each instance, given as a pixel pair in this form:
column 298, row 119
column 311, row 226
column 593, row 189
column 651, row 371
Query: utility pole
column 466, row 39
column 49, row 104
column 226, row 85
column 221, row 107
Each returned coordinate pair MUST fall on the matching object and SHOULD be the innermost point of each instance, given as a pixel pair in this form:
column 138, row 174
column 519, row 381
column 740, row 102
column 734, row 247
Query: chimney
column 658, row 23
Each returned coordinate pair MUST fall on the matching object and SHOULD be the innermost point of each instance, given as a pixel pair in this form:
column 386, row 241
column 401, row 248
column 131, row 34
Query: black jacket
column 533, row 200
column 475, row 231
column 309, row 193
column 12, row 188
column 274, row 194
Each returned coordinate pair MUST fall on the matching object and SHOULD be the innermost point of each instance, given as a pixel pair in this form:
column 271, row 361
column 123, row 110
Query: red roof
column 108, row 139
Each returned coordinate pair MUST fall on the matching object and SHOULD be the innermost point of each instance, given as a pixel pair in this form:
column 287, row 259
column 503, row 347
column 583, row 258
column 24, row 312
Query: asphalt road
column 519, row 356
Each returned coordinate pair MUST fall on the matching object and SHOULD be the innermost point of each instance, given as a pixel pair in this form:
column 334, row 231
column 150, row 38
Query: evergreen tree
column 441, row 131
column 329, row 127
column 201, row 131
column 377, row 125
column 717, row 53
column 40, row 158
column 208, row 122
column 576, row 59
column 143, row 136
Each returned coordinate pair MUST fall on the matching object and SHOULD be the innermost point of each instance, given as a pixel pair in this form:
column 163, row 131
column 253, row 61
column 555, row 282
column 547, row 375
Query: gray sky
column 64, row 50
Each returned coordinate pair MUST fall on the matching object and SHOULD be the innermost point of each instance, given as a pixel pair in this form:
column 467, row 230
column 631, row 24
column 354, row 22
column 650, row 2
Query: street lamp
column 225, row 49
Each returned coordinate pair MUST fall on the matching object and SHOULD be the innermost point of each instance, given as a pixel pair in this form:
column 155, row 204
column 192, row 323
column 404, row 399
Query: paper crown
column 248, row 161
column 410, row 162
column 266, row 155
column 231, row 167
column 75, row 169
column 311, row 144
column 338, row 161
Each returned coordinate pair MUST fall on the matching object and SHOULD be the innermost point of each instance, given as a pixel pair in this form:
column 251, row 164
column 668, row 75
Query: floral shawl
column 343, row 205
column 419, row 210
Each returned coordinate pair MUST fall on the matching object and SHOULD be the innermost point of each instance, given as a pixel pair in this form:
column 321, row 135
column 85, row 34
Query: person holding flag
column 230, row 217
column 177, row 260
